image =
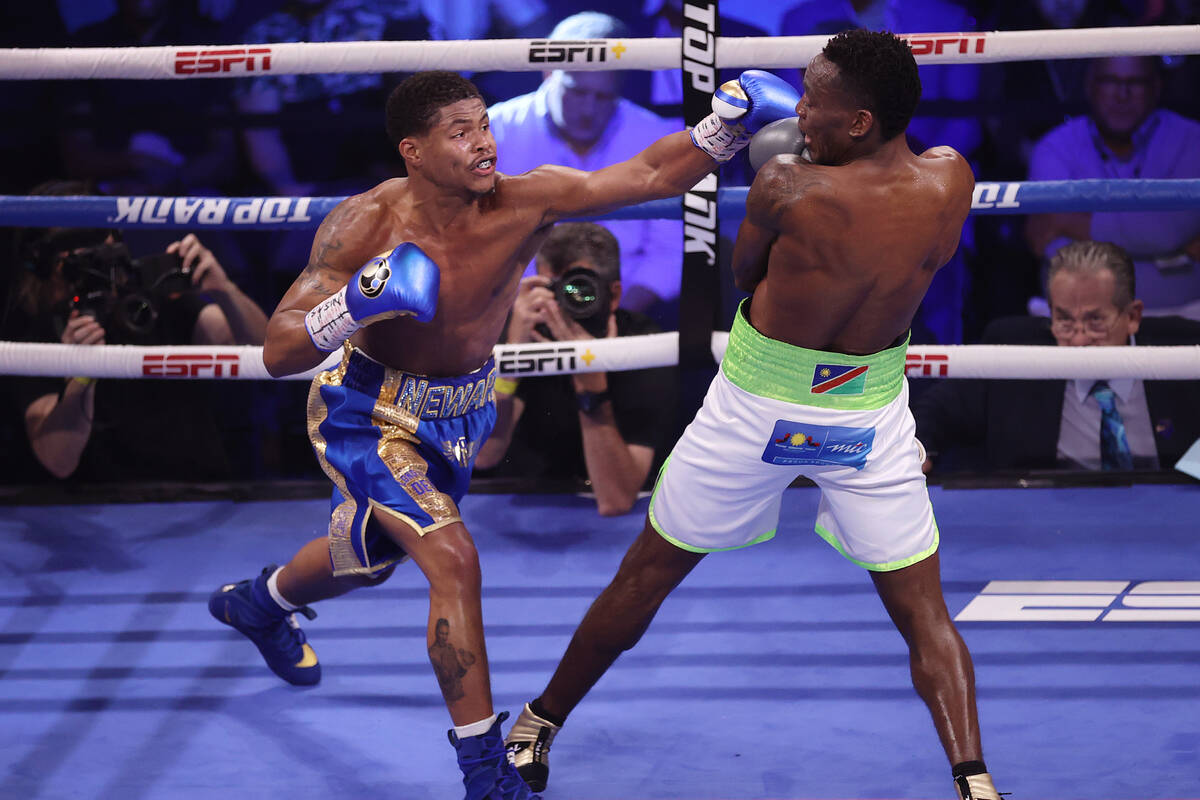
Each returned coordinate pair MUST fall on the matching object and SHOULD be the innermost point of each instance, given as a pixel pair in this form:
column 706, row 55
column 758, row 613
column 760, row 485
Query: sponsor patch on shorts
column 803, row 443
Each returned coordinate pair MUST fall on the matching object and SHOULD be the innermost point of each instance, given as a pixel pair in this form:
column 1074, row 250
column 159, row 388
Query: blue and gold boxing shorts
column 394, row 443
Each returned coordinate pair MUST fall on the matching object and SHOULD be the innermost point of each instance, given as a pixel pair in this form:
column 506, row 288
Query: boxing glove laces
column 740, row 108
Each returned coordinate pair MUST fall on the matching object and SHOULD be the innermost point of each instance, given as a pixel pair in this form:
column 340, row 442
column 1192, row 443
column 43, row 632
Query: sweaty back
column 857, row 249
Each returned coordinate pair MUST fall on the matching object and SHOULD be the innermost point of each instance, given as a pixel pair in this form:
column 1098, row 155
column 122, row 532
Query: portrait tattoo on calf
column 450, row 663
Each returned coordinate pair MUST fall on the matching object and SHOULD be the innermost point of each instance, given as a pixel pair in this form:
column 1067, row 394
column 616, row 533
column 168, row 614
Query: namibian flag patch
column 839, row 379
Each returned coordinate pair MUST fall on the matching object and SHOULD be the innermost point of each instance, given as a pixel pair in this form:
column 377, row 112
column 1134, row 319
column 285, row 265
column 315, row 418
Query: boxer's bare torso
column 848, row 251
column 480, row 227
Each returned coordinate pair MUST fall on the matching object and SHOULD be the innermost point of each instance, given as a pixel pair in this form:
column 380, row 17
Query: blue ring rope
column 273, row 213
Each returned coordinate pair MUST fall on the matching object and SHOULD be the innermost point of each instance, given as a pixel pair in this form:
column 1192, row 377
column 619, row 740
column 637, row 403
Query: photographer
column 605, row 428
column 80, row 286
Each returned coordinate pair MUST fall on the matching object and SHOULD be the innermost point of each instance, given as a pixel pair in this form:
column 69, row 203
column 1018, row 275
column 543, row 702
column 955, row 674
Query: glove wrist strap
column 329, row 323
column 719, row 139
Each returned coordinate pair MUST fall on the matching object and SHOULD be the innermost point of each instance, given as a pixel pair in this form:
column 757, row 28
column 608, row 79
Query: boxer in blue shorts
column 414, row 280
column 837, row 248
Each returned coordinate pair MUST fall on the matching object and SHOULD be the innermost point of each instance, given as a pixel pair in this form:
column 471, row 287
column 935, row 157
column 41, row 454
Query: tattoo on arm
column 313, row 278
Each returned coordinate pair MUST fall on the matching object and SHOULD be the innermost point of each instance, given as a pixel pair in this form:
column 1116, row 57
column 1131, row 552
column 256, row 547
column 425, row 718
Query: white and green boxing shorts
column 775, row 412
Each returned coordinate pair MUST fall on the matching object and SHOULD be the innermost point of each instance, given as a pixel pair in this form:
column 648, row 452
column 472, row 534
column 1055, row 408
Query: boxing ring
column 773, row 673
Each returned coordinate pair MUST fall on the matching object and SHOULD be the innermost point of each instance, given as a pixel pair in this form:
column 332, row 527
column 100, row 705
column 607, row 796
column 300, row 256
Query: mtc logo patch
column 839, row 379
column 794, row 443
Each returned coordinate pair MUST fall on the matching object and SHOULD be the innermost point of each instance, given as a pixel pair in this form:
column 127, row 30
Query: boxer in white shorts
column 776, row 411
column 837, row 248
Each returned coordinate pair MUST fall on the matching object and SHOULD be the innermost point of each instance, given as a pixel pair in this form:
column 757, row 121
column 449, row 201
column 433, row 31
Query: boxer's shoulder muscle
column 783, row 183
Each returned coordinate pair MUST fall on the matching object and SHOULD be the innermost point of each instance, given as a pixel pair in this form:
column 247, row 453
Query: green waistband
column 781, row 371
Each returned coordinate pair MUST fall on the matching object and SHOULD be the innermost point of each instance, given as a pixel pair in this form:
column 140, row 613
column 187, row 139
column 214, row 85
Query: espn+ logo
column 1085, row 601
column 562, row 51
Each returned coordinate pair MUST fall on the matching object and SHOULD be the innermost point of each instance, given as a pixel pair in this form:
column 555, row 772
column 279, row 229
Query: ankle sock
column 968, row 768
column 279, row 599
column 536, row 707
column 475, row 728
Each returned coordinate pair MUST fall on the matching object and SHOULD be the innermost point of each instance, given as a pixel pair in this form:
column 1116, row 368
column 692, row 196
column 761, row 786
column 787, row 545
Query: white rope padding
column 607, row 355
column 517, row 55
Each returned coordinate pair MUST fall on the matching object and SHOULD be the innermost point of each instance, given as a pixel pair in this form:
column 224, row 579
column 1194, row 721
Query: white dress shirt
column 1079, row 434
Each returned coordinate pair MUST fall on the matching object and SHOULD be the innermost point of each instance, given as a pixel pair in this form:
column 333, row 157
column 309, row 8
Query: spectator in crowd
column 941, row 316
column 118, row 135
column 1127, row 135
column 1079, row 424
column 607, row 428
column 80, row 286
column 1025, row 99
column 310, row 143
column 579, row 119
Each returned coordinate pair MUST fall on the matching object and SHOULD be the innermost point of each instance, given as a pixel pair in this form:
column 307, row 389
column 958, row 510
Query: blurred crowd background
column 323, row 135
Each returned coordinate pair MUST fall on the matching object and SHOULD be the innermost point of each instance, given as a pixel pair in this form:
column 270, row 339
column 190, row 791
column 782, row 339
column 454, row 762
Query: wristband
column 329, row 323
column 85, row 381
column 719, row 139
column 590, row 402
column 506, row 386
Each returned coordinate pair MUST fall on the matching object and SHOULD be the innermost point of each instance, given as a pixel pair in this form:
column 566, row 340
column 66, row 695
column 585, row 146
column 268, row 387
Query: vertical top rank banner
column 699, row 295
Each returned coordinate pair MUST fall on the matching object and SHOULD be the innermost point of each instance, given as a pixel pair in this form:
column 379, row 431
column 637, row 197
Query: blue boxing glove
column 402, row 282
column 740, row 108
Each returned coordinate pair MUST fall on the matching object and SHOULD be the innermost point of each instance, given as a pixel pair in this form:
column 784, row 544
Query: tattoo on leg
column 450, row 663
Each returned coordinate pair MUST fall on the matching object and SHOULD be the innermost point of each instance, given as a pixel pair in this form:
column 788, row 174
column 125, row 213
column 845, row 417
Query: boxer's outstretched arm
column 674, row 163
column 667, row 168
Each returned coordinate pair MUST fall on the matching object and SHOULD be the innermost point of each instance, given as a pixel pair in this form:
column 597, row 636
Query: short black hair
column 878, row 70
column 416, row 100
column 570, row 241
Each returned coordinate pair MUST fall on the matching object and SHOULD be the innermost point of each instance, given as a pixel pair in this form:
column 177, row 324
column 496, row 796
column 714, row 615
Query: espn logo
column 561, row 51
column 1085, row 601
column 190, row 365
column 202, row 62
column 923, row 44
column 541, row 360
column 919, row 365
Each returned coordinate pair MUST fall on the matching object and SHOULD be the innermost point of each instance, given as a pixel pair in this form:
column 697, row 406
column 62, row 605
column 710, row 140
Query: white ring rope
column 517, row 55
column 608, row 355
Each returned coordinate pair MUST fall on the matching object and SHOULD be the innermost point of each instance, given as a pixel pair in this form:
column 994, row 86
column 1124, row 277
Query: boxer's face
column 826, row 113
column 459, row 149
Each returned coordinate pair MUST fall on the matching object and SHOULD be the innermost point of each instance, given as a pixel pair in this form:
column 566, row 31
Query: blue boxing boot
column 487, row 773
column 248, row 608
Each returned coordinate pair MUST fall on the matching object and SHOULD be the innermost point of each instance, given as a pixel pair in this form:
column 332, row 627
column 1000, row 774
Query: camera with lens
column 124, row 294
column 584, row 297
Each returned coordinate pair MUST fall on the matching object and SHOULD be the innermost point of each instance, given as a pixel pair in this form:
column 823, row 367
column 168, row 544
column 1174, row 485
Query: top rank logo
column 221, row 60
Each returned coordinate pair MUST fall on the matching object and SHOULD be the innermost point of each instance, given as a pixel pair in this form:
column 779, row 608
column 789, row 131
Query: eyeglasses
column 1109, row 83
column 1095, row 326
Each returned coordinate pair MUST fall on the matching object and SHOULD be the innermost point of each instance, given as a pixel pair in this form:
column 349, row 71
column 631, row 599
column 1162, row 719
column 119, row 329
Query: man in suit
column 1076, row 424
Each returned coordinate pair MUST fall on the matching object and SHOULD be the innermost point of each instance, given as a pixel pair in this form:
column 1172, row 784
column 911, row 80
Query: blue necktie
column 1114, row 448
